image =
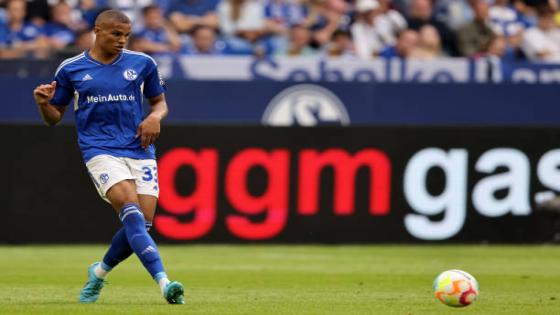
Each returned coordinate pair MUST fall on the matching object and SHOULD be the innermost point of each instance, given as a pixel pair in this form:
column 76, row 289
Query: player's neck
column 102, row 56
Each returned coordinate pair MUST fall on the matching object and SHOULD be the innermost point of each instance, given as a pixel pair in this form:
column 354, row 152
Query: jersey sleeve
column 64, row 90
column 153, row 84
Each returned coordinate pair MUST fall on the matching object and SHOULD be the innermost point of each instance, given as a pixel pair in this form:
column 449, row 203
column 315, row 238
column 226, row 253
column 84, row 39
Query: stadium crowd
column 511, row 30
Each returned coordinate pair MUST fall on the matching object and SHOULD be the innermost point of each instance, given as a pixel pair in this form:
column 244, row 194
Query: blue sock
column 139, row 240
column 120, row 249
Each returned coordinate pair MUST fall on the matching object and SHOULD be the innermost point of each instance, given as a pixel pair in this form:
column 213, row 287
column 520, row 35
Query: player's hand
column 148, row 131
column 44, row 93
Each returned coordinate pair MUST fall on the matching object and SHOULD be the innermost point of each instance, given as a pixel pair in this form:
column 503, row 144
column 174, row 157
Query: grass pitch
column 285, row 280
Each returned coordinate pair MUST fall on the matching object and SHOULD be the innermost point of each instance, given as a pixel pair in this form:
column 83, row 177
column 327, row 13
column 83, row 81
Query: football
column 456, row 288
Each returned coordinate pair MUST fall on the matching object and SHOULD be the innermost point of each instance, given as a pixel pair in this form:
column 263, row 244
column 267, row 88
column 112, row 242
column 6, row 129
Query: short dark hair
column 110, row 16
column 341, row 32
column 200, row 27
column 544, row 10
column 149, row 8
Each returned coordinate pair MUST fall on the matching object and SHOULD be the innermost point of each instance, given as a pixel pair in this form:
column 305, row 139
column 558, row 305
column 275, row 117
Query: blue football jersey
column 108, row 100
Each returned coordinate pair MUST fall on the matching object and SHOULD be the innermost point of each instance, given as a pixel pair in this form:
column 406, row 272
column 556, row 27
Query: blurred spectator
column 367, row 39
column 243, row 25
column 498, row 49
column 474, row 37
column 38, row 11
column 298, row 44
column 186, row 14
column 89, row 10
column 132, row 43
column 504, row 19
column 132, row 9
column 60, row 30
column 389, row 23
column 239, row 16
column 83, row 41
column 420, row 14
column 19, row 38
column 203, row 42
column 280, row 15
column 406, row 42
column 542, row 42
column 326, row 17
column 341, row 45
column 164, row 5
column 156, row 37
column 429, row 44
column 506, row 22
column 498, row 58
column 526, row 14
column 454, row 13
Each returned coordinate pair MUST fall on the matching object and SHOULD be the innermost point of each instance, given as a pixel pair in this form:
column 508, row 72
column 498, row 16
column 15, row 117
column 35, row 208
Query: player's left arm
column 149, row 129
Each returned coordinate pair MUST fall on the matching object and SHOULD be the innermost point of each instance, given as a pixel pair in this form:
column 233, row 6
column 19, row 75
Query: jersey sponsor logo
column 305, row 105
column 130, row 74
column 87, row 77
column 104, row 178
column 110, row 98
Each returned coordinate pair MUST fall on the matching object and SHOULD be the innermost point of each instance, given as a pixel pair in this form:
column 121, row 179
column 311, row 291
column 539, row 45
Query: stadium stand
column 517, row 30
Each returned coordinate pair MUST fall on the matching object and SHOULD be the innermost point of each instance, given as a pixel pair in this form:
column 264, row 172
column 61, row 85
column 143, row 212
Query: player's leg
column 125, row 200
column 172, row 291
column 148, row 205
column 106, row 172
column 120, row 250
column 124, row 196
column 145, row 172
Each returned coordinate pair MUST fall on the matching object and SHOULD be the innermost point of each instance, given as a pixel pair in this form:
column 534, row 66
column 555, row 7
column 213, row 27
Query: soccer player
column 116, row 139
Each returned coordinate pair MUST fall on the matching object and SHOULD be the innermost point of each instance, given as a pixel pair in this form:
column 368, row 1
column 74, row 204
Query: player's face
column 112, row 37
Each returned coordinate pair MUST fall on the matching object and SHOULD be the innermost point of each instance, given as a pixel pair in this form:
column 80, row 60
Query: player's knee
column 122, row 193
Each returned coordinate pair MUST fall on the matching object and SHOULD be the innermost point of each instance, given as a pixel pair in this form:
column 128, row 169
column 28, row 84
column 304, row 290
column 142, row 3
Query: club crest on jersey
column 104, row 178
column 130, row 74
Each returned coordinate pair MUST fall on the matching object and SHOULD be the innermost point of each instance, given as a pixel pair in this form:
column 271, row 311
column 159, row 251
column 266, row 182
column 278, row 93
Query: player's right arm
column 51, row 114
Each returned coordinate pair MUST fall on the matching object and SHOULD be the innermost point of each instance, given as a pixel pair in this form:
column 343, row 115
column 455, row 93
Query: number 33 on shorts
column 150, row 174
